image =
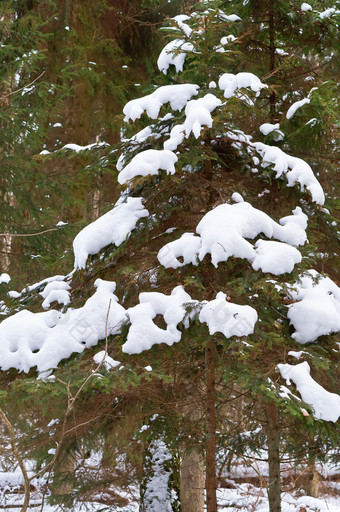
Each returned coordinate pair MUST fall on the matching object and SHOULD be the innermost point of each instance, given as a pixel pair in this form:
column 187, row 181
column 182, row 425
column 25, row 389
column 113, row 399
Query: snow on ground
column 245, row 491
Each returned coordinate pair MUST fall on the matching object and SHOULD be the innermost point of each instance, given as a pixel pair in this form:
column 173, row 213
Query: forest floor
column 243, row 489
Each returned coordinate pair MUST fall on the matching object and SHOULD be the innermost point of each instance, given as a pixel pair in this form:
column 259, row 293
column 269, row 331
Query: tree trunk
column 192, row 482
column 64, row 475
column 192, row 474
column 272, row 95
column 273, row 439
column 210, row 480
column 312, row 482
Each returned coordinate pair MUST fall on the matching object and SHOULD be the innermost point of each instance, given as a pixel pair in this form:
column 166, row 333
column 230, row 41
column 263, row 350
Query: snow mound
column 174, row 54
column 143, row 332
column 228, row 318
column 186, row 247
column 223, row 232
column 5, row 278
column 229, row 83
column 198, row 114
column 148, row 162
column 56, row 291
column 103, row 358
column 268, row 128
column 275, row 257
column 326, row 405
column 177, row 95
column 112, row 228
column 43, row 339
column 295, row 169
column 317, row 310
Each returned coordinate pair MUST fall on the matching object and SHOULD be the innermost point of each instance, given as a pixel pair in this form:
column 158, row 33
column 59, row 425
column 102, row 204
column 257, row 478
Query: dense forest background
column 168, row 427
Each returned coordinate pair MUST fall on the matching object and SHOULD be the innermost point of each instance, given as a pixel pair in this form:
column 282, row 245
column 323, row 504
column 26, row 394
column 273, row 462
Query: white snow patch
column 5, row 278
column 268, row 128
column 223, row 232
column 295, row 169
column 293, row 108
column 148, row 162
column 112, row 228
column 228, row 318
column 317, row 310
column 106, row 360
column 174, row 54
column 143, row 332
column 229, row 83
column 43, row 339
column 177, row 95
column 326, row 405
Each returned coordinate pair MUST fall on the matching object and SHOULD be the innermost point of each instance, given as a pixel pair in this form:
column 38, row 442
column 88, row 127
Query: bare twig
column 19, row 459
column 30, row 234
column 21, row 88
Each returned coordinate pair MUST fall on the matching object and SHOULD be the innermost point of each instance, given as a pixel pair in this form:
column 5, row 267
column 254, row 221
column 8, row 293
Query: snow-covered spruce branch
column 71, row 399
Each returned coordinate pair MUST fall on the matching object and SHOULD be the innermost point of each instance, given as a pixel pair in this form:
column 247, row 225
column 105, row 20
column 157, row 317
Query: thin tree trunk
column 273, row 439
column 192, row 482
column 272, row 95
column 210, row 480
column 312, row 482
column 192, row 474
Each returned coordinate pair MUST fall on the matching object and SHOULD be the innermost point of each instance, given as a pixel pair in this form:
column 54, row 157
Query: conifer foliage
column 207, row 270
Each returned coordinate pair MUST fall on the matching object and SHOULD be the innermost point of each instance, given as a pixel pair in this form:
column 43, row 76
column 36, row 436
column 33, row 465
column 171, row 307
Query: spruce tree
column 203, row 292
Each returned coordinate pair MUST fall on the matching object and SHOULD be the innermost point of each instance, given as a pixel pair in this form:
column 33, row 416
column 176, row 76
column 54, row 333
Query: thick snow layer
column 229, row 83
column 295, row 169
column 275, row 257
column 4, row 278
column 326, row 405
column 317, row 310
column 55, row 291
column 186, row 247
column 43, row 339
column 148, row 162
column 60, row 296
column 198, row 114
column 177, row 95
column 268, row 128
column 112, row 228
column 293, row 108
column 143, row 332
column 174, row 54
column 228, row 318
column 223, row 232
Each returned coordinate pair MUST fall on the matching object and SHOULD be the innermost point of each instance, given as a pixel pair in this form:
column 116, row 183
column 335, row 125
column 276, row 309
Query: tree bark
column 273, row 439
column 210, row 480
column 272, row 95
column 192, row 482
column 192, row 474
